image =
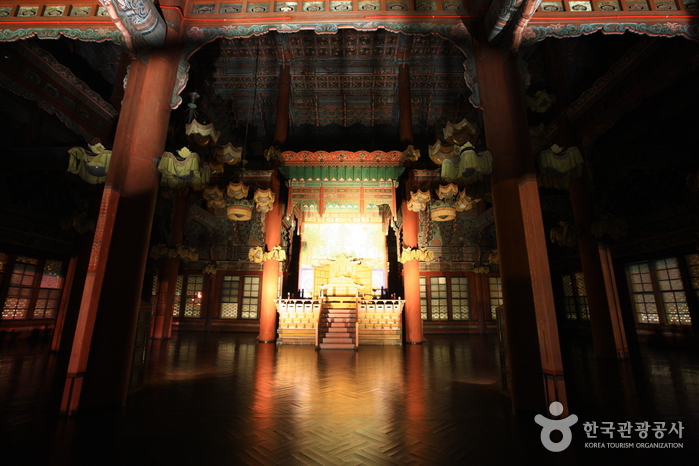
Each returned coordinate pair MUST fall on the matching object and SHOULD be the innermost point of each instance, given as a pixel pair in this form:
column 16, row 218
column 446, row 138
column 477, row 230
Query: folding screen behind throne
column 342, row 277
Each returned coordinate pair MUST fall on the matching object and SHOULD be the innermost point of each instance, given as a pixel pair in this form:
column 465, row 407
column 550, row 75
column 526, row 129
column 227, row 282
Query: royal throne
column 342, row 277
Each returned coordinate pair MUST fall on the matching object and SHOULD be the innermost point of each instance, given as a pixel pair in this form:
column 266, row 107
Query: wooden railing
column 320, row 316
column 356, row 322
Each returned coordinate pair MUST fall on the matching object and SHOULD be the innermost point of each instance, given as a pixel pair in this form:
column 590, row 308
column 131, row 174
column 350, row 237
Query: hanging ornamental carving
column 418, row 254
column 257, row 254
column 564, row 234
column 541, row 102
column 558, row 167
column 411, row 154
column 608, row 225
column 90, row 165
column 467, row 166
column 182, row 171
column 161, row 251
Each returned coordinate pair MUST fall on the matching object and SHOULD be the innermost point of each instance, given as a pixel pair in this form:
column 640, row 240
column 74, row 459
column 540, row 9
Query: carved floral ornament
column 418, row 254
column 256, row 254
column 161, row 251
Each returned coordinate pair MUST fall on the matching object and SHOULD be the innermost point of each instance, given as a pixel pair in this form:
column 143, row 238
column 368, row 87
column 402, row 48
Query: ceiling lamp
column 237, row 190
column 201, row 134
column 228, row 154
column 447, row 191
column 440, row 151
column 240, row 211
column 418, row 201
column 264, row 200
column 464, row 202
column 442, row 211
column 460, row 133
column 214, row 197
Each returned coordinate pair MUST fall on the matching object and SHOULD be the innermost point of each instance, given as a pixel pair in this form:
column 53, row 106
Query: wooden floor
column 223, row 399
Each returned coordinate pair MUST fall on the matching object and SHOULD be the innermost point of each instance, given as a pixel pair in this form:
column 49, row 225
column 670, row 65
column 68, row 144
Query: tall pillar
column 281, row 127
column 63, row 306
column 270, row 270
column 480, row 305
column 167, row 277
column 532, row 333
column 608, row 333
column 100, row 361
column 404, row 106
column 411, row 279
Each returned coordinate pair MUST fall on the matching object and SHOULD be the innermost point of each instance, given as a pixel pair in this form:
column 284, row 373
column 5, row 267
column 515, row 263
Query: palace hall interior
column 349, row 232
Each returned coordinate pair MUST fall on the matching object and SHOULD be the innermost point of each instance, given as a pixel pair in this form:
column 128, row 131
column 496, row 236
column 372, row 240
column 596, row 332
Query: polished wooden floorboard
column 223, row 399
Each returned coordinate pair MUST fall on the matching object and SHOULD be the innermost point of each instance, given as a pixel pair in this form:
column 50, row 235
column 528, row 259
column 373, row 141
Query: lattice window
column 19, row 293
column 642, row 293
column 672, row 292
column 423, row 298
column 495, row 287
column 438, row 298
column 569, row 297
column 575, row 296
column 51, row 289
column 178, row 296
column 193, row 296
column 459, row 298
column 229, row 296
column 251, row 297
column 693, row 266
column 581, row 295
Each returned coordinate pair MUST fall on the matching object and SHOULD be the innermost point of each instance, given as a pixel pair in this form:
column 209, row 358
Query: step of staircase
column 338, row 325
column 338, row 346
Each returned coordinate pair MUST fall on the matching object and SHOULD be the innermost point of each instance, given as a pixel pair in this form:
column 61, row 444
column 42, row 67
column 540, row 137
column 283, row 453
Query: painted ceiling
column 344, row 87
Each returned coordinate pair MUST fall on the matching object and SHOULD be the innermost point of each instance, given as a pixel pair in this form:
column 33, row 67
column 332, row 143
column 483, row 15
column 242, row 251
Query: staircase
column 338, row 323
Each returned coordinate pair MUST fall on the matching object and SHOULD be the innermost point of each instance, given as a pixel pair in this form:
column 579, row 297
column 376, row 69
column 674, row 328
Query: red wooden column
column 167, row 277
column 608, row 334
column 532, row 333
column 411, row 221
column 411, row 279
column 281, row 127
column 100, row 361
column 479, row 304
column 270, row 270
column 63, row 306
